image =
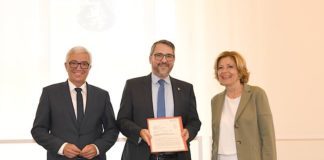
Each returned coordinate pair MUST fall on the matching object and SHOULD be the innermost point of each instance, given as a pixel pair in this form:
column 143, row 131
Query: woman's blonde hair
column 240, row 65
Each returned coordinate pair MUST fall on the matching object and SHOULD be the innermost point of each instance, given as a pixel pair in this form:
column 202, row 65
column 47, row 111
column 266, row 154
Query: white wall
column 282, row 41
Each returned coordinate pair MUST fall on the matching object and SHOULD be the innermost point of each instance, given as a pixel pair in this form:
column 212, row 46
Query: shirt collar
column 155, row 79
column 72, row 86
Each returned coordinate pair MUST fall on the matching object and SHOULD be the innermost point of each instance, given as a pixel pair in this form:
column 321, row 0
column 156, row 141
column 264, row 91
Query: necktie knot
column 161, row 82
column 78, row 90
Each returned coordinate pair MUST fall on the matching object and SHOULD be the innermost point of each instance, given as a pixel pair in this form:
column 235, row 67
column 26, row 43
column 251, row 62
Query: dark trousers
column 164, row 156
column 79, row 158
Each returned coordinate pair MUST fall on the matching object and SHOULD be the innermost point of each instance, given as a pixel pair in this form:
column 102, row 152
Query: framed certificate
column 166, row 134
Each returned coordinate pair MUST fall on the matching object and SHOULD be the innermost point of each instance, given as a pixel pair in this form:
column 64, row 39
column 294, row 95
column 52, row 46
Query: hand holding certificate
column 166, row 134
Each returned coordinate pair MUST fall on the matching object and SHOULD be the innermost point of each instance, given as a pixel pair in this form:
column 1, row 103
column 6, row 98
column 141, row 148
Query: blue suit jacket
column 55, row 121
column 136, row 106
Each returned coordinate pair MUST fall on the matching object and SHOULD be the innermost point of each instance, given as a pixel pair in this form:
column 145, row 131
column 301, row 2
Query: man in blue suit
column 75, row 120
column 139, row 102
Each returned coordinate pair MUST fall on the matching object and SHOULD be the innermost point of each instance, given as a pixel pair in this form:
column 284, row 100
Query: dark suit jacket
column 55, row 121
column 136, row 106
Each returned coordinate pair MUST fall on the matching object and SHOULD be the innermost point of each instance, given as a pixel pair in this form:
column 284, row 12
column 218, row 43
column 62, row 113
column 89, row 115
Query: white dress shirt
column 74, row 96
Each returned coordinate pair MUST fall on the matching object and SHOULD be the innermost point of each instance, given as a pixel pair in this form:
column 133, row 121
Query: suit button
column 238, row 142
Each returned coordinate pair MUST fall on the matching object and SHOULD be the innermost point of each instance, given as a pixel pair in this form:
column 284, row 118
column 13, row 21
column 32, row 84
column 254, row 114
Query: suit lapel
column 69, row 105
column 246, row 95
column 176, row 91
column 90, row 100
column 219, row 104
column 147, row 93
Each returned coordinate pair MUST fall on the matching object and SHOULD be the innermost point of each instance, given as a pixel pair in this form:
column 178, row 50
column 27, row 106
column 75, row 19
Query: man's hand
column 185, row 134
column 71, row 150
column 146, row 136
column 89, row 151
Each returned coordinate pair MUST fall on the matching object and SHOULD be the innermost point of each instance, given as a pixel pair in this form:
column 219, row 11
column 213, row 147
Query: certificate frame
column 166, row 134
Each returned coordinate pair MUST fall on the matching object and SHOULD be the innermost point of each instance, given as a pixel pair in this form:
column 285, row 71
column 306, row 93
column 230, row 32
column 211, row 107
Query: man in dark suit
column 75, row 120
column 139, row 102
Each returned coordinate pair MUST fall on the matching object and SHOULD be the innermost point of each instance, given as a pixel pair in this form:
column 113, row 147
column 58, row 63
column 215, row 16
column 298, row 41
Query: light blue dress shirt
column 169, row 104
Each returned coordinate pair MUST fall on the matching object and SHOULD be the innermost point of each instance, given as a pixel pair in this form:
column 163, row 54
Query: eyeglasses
column 75, row 64
column 160, row 56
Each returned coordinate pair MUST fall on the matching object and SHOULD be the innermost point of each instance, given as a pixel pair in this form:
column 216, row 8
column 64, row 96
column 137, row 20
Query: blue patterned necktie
column 80, row 113
column 161, row 100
